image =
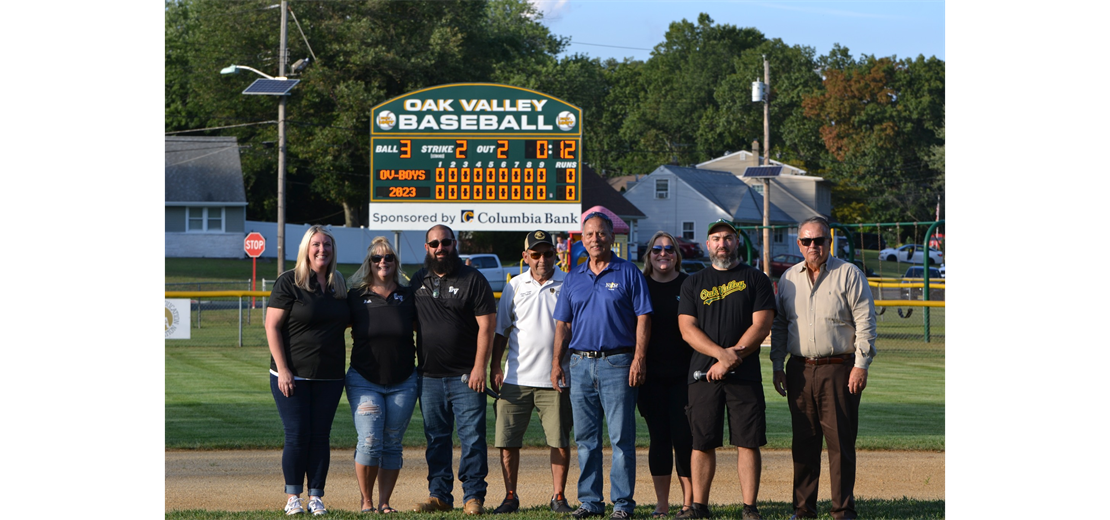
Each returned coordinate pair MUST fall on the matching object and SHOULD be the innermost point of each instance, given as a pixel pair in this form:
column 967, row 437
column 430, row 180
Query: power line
column 221, row 127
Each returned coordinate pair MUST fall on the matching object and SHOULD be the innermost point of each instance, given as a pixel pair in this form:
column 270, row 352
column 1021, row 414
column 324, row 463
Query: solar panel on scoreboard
column 762, row 171
column 271, row 87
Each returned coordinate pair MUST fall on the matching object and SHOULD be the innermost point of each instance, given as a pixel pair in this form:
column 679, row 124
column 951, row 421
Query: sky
column 624, row 28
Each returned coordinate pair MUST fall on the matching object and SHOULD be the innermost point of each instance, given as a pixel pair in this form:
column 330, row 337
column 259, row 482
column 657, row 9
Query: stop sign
column 254, row 245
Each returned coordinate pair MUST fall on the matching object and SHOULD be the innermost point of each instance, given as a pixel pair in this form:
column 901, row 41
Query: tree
column 878, row 119
column 736, row 121
column 679, row 83
column 368, row 52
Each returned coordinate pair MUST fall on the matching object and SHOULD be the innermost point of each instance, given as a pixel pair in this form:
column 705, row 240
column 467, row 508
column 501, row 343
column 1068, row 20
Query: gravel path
column 251, row 480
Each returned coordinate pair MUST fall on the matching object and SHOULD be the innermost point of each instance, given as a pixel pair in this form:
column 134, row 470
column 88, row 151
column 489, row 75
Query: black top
column 723, row 303
column 313, row 331
column 384, row 352
column 667, row 354
column 447, row 333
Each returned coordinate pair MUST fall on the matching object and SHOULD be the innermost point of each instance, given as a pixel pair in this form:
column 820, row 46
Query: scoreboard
column 476, row 157
column 509, row 169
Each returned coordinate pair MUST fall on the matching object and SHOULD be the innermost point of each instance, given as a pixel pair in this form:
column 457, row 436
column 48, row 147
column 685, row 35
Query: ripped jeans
column 381, row 414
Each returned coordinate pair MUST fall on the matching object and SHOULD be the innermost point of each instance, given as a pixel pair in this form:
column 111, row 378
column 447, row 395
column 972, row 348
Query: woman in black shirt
column 305, row 320
column 662, row 398
column 381, row 383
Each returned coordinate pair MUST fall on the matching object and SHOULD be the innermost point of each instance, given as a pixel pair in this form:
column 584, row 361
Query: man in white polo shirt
column 525, row 324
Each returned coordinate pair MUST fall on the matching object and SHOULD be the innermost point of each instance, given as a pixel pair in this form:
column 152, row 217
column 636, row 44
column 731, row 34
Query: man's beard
column 723, row 263
column 444, row 267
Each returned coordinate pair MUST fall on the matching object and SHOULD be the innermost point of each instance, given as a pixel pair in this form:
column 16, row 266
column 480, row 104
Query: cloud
column 551, row 9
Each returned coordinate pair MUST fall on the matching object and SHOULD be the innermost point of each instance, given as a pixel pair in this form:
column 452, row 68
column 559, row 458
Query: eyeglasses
column 659, row 249
column 817, row 241
column 545, row 254
column 378, row 258
column 446, row 243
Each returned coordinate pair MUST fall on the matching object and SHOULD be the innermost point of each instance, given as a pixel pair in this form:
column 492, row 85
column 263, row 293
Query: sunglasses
column 659, row 249
column 545, row 254
column 446, row 243
column 378, row 258
column 817, row 241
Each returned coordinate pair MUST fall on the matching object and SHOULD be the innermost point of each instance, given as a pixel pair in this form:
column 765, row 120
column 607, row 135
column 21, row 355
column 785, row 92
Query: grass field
column 904, row 509
column 219, row 398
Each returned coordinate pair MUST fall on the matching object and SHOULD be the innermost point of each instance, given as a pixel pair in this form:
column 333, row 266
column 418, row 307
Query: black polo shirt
column 723, row 303
column 313, row 331
column 667, row 354
column 447, row 333
column 382, row 328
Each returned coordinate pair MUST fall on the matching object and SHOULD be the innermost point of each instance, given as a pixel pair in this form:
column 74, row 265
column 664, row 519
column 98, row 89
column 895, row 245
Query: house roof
column 737, row 161
column 727, row 192
column 204, row 169
column 597, row 192
column 621, row 183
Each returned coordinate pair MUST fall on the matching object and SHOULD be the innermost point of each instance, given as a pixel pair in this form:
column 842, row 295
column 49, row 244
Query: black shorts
column 747, row 414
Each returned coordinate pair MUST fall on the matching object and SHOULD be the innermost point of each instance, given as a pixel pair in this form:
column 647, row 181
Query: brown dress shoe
column 473, row 507
column 432, row 504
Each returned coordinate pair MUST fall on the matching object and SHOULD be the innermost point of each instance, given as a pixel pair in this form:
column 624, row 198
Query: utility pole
column 766, row 162
column 281, row 147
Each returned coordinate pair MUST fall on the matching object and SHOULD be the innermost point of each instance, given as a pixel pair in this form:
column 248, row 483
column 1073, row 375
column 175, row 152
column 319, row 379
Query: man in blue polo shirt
column 604, row 315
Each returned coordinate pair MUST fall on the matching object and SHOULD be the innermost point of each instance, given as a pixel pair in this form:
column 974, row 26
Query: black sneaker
column 509, row 505
column 582, row 512
column 560, row 505
column 751, row 513
column 620, row 515
column 696, row 511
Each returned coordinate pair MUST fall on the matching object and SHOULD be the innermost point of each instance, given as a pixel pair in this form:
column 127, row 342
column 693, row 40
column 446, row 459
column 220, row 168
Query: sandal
column 659, row 514
column 386, row 510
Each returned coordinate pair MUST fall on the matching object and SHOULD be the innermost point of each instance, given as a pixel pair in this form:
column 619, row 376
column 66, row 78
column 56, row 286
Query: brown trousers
column 822, row 407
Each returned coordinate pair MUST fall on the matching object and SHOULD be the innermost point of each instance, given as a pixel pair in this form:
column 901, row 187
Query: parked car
column 692, row 266
column 690, row 249
column 911, row 253
column 490, row 267
column 916, row 275
column 780, row 263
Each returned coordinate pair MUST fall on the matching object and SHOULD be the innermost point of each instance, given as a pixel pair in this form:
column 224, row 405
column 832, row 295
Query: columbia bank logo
column 467, row 216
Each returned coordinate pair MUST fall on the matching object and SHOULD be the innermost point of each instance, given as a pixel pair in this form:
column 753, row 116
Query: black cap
column 536, row 238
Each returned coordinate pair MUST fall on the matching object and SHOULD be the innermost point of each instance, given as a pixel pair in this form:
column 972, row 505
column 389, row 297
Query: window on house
column 758, row 188
column 204, row 220
column 662, row 188
column 688, row 230
column 780, row 235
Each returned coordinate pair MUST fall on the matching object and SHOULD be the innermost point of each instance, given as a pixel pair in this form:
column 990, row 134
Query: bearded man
column 456, row 318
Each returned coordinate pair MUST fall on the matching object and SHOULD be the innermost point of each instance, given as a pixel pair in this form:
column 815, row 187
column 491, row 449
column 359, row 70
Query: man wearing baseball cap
column 724, row 313
column 525, row 324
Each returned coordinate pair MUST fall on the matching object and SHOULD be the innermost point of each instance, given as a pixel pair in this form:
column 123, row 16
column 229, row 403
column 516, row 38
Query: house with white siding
column 684, row 201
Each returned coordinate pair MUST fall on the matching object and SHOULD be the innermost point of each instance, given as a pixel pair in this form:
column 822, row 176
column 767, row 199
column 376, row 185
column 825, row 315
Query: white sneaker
column 293, row 506
column 316, row 506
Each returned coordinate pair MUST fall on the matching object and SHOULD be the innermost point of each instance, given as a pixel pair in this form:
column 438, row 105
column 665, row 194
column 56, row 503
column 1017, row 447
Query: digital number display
column 480, row 169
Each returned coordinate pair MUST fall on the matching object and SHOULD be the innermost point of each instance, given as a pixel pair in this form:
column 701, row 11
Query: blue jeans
column 443, row 402
column 307, row 416
column 599, row 386
column 381, row 414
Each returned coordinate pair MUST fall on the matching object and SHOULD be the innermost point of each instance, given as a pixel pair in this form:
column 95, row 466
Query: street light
column 271, row 86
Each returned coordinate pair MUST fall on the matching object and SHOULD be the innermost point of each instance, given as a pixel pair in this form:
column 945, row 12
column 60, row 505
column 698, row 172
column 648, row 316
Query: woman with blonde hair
column 662, row 398
column 381, row 383
column 305, row 320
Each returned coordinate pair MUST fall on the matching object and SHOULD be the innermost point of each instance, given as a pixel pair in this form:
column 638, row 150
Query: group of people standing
column 584, row 348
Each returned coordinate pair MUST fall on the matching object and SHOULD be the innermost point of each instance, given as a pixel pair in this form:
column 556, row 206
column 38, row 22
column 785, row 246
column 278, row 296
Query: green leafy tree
column 679, row 85
column 878, row 119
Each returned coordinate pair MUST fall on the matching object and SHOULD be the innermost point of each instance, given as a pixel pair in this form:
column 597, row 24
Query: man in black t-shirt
column 457, row 316
column 724, row 313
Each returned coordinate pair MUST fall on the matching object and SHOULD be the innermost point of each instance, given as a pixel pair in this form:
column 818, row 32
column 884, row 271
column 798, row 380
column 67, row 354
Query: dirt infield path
column 251, row 480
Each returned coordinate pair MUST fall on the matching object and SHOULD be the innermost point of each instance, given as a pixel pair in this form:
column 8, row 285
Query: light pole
column 271, row 86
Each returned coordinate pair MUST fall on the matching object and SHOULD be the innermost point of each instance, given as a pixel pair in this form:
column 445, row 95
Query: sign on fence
column 177, row 319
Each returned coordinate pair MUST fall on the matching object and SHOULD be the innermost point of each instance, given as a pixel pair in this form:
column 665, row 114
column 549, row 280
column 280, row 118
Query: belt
column 602, row 353
column 830, row 360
